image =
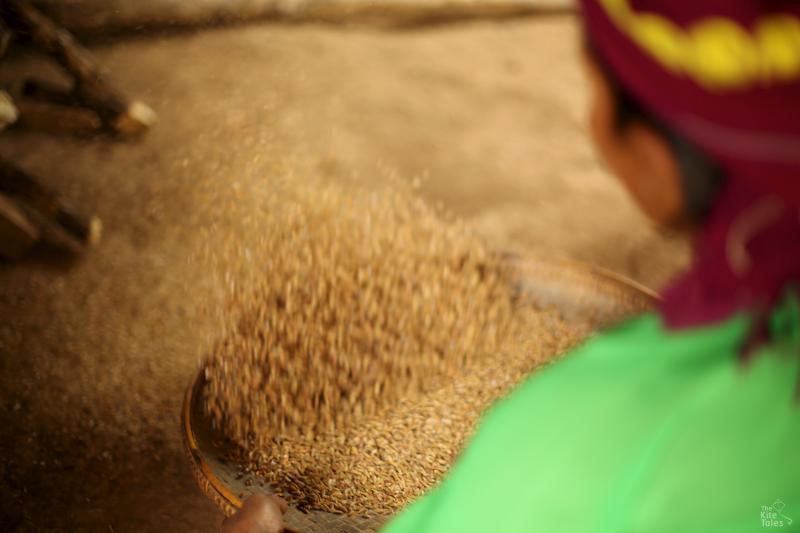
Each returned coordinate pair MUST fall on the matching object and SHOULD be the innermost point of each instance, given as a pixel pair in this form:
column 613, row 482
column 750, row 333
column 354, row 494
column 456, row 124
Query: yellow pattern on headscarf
column 717, row 52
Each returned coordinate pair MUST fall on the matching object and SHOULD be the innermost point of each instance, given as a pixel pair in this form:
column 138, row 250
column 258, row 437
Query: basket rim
column 211, row 485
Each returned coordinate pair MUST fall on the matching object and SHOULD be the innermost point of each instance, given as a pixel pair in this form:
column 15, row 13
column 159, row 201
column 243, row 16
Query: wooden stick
column 412, row 14
column 17, row 234
column 122, row 115
column 53, row 108
column 94, row 18
column 58, row 119
column 5, row 39
column 8, row 111
column 15, row 181
column 47, row 91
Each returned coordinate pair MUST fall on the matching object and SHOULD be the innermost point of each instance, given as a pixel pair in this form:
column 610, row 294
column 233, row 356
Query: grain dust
column 362, row 348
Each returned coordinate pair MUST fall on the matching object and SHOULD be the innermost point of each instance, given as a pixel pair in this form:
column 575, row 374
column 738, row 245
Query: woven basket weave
column 587, row 298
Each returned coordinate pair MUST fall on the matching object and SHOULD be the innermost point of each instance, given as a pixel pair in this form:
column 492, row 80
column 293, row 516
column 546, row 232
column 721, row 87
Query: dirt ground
column 95, row 351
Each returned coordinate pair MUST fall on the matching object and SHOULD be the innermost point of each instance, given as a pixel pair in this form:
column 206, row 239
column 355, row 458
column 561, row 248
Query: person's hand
column 259, row 514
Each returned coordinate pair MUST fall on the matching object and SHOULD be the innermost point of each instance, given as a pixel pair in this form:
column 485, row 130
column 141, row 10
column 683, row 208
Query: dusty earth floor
column 95, row 352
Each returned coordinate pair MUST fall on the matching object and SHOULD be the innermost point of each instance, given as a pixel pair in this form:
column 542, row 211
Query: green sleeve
column 639, row 430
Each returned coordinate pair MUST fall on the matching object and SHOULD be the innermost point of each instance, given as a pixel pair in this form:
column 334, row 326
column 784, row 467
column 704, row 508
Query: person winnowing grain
column 685, row 419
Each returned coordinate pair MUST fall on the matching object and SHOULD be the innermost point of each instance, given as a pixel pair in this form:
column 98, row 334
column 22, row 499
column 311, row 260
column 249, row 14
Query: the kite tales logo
column 772, row 515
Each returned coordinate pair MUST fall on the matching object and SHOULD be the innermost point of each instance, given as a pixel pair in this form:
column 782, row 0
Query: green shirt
column 639, row 430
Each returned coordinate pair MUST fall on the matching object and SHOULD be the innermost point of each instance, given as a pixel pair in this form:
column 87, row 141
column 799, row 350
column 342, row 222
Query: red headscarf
column 724, row 74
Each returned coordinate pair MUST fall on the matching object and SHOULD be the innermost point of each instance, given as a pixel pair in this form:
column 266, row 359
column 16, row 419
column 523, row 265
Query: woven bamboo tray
column 586, row 297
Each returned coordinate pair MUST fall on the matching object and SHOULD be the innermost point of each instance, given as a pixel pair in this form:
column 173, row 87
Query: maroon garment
column 748, row 249
column 746, row 253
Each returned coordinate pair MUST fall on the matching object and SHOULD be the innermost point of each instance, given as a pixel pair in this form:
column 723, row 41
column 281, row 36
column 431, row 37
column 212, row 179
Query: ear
column 639, row 155
column 652, row 174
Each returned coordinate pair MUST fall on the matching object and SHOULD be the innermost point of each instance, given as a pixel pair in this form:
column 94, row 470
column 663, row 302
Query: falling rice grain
column 365, row 337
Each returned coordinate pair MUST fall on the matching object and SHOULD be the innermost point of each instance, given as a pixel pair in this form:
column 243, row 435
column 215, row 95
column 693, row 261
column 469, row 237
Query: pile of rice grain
column 358, row 358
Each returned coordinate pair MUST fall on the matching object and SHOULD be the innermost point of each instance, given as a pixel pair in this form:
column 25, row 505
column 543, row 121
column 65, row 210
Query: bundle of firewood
column 91, row 104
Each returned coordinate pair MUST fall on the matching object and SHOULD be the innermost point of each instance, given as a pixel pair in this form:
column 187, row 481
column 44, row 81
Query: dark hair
column 700, row 175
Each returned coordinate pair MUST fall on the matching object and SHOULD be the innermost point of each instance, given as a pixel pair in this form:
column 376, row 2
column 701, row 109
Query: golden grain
column 365, row 336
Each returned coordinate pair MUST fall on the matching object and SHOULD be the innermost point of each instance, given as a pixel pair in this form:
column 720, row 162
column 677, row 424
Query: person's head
column 696, row 107
column 686, row 96
column 672, row 181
